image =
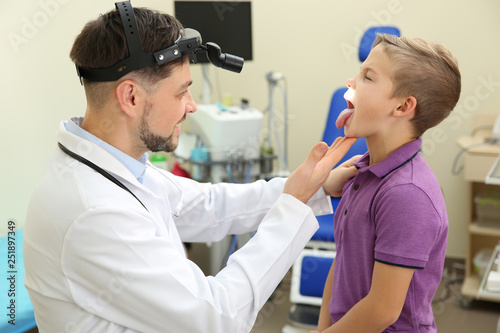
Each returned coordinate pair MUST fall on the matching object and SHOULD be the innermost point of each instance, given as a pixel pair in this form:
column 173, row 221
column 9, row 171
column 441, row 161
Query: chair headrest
column 369, row 36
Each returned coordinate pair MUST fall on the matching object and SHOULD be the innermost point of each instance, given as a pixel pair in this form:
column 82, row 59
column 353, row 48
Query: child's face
column 371, row 101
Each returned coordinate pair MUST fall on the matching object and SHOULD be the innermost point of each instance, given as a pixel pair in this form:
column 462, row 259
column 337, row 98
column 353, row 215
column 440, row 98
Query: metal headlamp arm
column 189, row 42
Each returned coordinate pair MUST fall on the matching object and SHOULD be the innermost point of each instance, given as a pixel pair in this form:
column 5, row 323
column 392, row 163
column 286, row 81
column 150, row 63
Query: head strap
column 189, row 42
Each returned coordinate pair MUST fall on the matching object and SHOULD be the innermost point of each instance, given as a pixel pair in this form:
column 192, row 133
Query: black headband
column 189, row 41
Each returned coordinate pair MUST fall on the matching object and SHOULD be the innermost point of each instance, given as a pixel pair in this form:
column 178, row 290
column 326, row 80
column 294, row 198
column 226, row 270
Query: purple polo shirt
column 392, row 212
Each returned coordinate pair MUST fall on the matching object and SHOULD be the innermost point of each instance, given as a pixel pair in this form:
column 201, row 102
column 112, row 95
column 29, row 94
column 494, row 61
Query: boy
column 391, row 225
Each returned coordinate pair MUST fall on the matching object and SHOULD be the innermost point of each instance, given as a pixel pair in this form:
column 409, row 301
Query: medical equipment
column 274, row 80
column 230, row 136
column 227, row 150
column 309, row 275
column 189, row 42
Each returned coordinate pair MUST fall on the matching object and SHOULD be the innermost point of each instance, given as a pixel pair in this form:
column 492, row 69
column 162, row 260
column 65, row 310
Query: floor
column 452, row 314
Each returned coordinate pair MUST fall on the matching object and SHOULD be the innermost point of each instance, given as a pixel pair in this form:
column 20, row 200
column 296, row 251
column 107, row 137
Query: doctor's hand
column 334, row 185
column 307, row 179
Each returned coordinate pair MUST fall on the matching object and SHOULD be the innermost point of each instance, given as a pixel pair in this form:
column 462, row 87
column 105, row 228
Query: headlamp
column 189, row 42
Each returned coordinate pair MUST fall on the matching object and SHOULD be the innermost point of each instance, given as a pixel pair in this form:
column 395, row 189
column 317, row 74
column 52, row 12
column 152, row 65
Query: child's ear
column 406, row 108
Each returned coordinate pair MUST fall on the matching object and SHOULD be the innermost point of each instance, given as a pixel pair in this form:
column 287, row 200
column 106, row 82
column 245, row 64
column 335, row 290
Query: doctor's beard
column 153, row 141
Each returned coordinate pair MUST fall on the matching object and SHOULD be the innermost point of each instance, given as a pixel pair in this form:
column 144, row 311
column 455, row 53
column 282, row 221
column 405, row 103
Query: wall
column 312, row 42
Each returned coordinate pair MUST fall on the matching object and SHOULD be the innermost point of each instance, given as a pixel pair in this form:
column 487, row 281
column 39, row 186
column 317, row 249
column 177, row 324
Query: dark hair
column 102, row 44
column 427, row 71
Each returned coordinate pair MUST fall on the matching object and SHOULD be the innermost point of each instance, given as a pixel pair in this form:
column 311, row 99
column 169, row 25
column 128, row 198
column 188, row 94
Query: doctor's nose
column 191, row 105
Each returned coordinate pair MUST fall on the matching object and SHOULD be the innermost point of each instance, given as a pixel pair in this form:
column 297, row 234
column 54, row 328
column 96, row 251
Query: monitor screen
column 226, row 23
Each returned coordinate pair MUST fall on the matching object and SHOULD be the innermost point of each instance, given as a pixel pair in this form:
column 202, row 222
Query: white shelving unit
column 477, row 162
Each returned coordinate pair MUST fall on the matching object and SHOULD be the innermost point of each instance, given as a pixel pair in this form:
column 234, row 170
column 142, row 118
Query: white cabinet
column 478, row 160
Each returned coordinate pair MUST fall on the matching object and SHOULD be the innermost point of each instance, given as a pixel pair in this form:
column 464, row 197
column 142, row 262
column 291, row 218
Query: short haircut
column 102, row 43
column 427, row 71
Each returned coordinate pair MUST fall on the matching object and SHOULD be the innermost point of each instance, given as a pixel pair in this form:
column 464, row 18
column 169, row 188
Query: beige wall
column 308, row 41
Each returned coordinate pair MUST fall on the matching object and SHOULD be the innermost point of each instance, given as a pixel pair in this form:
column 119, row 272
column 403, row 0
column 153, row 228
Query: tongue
column 343, row 117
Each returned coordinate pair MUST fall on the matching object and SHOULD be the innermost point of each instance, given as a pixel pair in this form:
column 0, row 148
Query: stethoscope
column 110, row 177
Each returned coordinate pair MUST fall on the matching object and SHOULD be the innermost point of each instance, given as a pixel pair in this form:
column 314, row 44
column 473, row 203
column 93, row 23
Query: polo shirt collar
column 395, row 160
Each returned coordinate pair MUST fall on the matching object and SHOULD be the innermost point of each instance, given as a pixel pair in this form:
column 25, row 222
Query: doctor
column 104, row 230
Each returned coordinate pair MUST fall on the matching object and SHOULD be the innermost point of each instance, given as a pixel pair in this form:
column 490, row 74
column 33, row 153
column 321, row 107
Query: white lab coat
column 97, row 261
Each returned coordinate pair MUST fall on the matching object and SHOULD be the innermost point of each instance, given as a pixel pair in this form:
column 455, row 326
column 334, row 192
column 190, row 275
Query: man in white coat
column 104, row 231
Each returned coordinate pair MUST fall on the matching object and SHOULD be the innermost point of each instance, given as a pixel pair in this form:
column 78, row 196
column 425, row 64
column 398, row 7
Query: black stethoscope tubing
column 99, row 170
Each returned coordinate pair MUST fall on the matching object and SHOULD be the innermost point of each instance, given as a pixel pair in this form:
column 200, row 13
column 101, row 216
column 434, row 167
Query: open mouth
column 347, row 113
column 350, row 105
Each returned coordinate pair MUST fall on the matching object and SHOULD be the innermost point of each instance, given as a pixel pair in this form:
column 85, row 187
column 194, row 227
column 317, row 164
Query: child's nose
column 351, row 83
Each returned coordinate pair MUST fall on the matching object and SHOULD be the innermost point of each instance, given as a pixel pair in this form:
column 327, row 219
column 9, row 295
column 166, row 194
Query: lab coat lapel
column 95, row 154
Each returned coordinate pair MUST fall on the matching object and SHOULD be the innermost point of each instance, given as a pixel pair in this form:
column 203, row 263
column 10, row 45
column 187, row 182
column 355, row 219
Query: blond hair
column 427, row 71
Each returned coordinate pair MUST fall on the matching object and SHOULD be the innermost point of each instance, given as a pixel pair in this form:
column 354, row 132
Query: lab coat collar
column 94, row 154
column 137, row 167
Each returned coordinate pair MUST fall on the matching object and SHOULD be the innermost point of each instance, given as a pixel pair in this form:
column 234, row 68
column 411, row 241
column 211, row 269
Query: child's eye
column 364, row 74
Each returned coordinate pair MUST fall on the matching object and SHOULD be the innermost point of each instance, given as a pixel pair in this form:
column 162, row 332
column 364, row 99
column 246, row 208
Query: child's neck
column 381, row 147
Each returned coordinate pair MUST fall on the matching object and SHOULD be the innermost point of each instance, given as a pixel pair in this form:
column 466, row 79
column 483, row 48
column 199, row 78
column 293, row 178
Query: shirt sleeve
column 119, row 269
column 407, row 225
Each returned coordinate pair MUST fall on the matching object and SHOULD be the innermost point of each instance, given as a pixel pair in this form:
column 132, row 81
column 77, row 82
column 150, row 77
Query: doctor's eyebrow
column 185, row 85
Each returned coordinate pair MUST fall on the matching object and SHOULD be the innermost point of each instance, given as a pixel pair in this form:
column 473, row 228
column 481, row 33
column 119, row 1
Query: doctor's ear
column 406, row 108
column 129, row 96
